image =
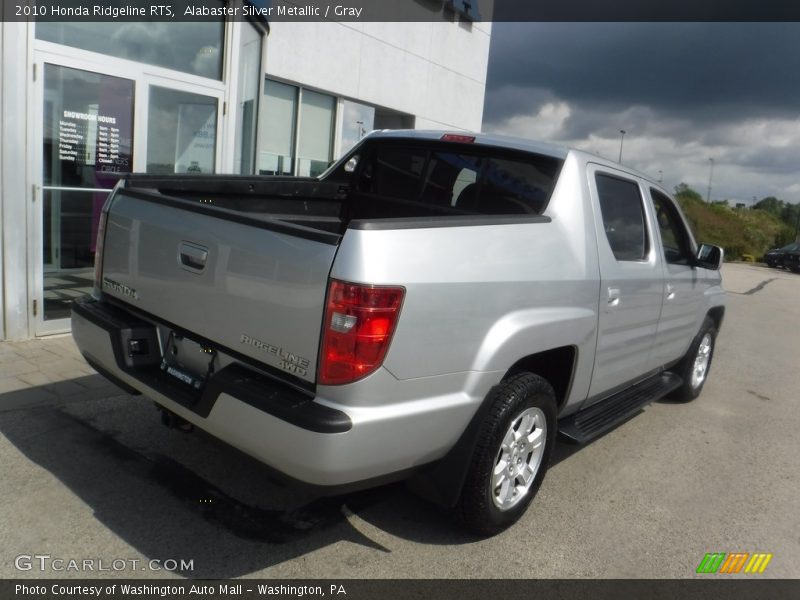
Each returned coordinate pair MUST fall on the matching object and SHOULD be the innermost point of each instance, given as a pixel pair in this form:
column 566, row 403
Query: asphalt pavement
column 89, row 474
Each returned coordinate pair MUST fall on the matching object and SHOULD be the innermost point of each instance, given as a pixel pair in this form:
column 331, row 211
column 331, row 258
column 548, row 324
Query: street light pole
column 710, row 175
column 621, row 138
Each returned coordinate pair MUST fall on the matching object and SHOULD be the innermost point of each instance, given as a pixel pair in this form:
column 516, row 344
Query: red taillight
column 359, row 323
column 456, row 137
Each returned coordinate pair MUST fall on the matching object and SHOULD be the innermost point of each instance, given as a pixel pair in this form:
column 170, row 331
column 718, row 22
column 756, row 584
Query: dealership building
column 84, row 103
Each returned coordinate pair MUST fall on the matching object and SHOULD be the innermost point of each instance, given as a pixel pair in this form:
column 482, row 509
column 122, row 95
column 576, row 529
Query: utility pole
column 710, row 175
column 621, row 138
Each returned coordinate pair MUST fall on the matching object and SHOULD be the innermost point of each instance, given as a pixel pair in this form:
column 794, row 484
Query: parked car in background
column 776, row 256
column 791, row 259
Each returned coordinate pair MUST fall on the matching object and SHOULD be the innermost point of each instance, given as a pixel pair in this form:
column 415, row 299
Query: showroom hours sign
column 92, row 139
column 88, row 127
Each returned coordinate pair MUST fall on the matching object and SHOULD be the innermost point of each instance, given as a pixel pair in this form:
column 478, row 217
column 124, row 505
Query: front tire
column 694, row 367
column 511, row 455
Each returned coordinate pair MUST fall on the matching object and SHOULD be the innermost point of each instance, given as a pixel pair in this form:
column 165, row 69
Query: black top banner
column 402, row 10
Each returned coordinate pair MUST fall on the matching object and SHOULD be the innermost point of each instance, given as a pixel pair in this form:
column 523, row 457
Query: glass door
column 89, row 122
column 87, row 145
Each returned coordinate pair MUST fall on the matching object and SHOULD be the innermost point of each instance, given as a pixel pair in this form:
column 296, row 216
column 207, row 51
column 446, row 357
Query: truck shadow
column 221, row 509
column 165, row 508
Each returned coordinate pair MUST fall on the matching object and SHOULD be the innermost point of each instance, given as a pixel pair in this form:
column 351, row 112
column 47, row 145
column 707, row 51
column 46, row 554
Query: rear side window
column 623, row 216
column 457, row 179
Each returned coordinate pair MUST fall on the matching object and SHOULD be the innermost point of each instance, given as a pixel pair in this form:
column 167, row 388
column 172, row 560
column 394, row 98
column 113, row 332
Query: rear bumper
column 306, row 438
column 248, row 386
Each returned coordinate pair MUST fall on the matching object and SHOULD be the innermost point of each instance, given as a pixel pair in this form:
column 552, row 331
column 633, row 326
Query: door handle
column 193, row 257
column 613, row 296
column 670, row 291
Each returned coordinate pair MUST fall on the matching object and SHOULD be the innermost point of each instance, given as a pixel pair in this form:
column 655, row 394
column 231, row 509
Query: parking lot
column 89, row 473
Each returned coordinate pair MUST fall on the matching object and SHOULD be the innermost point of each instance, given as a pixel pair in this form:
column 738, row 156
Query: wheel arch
column 556, row 365
column 717, row 314
column 441, row 482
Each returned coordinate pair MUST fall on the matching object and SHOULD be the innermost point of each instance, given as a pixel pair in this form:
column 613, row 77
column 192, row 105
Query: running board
column 598, row 418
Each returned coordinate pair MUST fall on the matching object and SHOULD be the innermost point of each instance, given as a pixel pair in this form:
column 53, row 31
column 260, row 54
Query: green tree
column 771, row 205
column 684, row 192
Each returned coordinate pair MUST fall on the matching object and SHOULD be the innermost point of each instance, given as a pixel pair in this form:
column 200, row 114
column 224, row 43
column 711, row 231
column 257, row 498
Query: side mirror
column 709, row 257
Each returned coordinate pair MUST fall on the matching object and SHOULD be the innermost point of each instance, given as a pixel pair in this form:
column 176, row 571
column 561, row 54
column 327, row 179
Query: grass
column 740, row 231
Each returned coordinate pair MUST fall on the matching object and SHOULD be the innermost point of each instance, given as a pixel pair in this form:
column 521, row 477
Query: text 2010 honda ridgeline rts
column 435, row 306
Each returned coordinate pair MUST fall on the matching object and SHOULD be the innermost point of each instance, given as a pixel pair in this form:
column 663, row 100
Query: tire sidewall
column 497, row 519
column 690, row 392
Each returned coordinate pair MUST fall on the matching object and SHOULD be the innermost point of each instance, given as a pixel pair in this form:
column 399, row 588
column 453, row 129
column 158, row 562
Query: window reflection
column 277, row 128
column 181, row 133
column 69, row 227
column 249, row 70
column 357, row 121
column 192, row 47
column 316, row 133
column 295, row 130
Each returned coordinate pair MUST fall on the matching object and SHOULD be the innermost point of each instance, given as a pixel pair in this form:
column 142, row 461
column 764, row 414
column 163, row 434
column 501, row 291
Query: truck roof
column 489, row 139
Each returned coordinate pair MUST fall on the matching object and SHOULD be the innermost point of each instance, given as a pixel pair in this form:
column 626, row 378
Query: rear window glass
column 460, row 180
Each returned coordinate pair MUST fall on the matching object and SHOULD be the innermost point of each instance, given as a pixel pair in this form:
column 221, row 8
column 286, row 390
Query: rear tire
column 511, row 455
column 694, row 367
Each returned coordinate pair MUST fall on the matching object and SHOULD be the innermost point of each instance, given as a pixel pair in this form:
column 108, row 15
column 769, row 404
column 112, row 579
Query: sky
column 683, row 92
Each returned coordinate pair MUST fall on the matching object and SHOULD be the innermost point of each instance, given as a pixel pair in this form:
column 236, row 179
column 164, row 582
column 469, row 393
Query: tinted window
column 673, row 233
column 623, row 217
column 395, row 172
column 461, row 181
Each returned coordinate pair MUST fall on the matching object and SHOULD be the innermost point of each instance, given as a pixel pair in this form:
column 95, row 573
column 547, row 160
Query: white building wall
column 435, row 71
column 14, row 190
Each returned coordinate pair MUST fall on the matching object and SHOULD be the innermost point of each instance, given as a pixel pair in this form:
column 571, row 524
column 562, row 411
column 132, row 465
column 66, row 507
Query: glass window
column 474, row 182
column 295, row 136
column 88, row 128
column 277, row 129
column 181, row 132
column 395, row 172
column 357, row 121
column 314, row 146
column 194, row 47
column 673, row 233
column 623, row 216
column 447, row 176
column 69, row 232
column 510, row 186
column 249, row 78
column 87, row 144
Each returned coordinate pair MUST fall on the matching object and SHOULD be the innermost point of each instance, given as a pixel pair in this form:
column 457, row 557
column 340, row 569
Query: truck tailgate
column 249, row 284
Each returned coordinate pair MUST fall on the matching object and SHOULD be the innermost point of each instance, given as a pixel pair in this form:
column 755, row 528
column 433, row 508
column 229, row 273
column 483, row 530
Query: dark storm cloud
column 699, row 70
column 769, row 161
column 683, row 92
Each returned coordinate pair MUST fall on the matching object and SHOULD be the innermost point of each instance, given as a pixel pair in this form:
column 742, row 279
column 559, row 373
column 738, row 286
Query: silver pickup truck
column 436, row 306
